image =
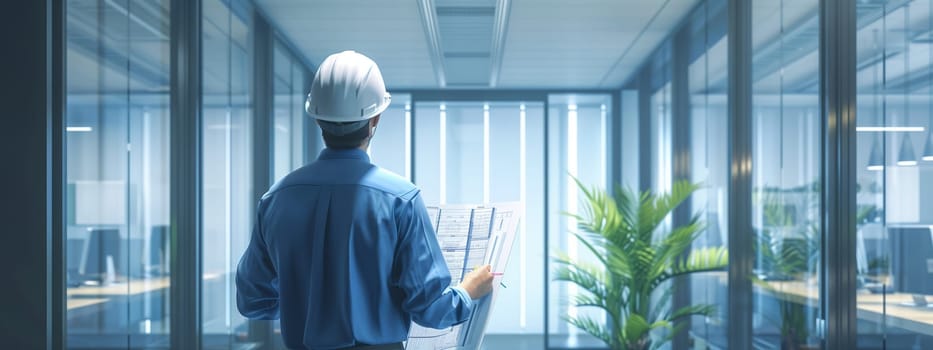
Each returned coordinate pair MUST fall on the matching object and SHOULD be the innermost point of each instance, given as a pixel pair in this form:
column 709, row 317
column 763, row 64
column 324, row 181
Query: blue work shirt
column 344, row 253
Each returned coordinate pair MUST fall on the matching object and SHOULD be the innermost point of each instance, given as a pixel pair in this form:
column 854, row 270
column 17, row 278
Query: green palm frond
column 707, row 310
column 702, row 260
column 634, row 253
column 591, row 327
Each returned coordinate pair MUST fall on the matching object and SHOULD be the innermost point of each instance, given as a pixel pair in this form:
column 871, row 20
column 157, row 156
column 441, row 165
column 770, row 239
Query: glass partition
column 786, row 179
column 894, row 237
column 290, row 138
column 390, row 147
column 577, row 147
column 488, row 152
column 227, row 203
column 709, row 161
column 117, row 174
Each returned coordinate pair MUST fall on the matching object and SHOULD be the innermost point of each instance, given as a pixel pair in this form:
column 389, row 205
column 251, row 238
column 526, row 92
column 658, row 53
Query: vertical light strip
column 443, row 154
column 522, row 238
column 603, row 159
column 228, row 210
column 408, row 141
column 571, row 201
column 147, row 204
column 486, row 153
column 603, row 156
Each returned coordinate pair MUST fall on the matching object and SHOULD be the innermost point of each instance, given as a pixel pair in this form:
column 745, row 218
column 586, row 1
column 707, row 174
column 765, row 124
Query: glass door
column 117, row 174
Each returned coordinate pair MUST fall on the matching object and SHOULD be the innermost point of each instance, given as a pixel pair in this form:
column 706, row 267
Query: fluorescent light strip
column 408, row 141
column 571, row 201
column 603, row 157
column 523, row 193
column 907, row 163
column 602, row 142
column 890, row 129
column 486, row 153
column 228, row 212
column 928, row 158
column 876, row 168
column 79, row 129
column 443, row 154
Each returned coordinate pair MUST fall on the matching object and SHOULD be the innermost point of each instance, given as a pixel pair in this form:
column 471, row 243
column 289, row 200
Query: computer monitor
column 912, row 260
column 101, row 243
column 74, row 253
column 158, row 251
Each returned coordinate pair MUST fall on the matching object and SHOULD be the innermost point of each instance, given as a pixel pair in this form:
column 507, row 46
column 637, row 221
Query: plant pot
column 791, row 344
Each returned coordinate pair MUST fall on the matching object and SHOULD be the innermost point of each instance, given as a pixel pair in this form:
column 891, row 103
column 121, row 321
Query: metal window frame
column 185, row 175
column 263, row 109
column 681, row 153
column 34, row 298
column 59, row 47
column 838, row 173
column 741, row 259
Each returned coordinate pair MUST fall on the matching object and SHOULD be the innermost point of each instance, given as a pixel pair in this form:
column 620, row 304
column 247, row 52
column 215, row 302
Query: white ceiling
column 547, row 43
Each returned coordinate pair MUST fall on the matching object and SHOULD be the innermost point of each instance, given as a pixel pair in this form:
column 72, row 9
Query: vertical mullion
column 838, row 171
column 28, row 238
column 263, row 109
column 412, row 131
column 739, row 127
column 614, row 136
column 185, row 213
column 547, row 218
column 58, row 332
column 644, row 130
column 680, row 150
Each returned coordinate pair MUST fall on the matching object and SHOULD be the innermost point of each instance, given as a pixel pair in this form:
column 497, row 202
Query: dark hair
column 353, row 139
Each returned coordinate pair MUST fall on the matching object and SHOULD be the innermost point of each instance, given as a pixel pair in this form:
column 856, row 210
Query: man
column 344, row 252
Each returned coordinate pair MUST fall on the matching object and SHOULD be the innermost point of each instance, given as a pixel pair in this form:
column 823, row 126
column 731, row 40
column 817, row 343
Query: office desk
column 870, row 306
column 121, row 299
column 75, row 303
column 132, row 287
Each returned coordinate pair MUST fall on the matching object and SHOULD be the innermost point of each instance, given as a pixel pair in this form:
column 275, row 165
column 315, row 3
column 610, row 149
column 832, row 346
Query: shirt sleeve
column 257, row 295
column 422, row 272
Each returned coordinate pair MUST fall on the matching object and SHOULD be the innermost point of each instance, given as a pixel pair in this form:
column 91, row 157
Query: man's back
column 344, row 253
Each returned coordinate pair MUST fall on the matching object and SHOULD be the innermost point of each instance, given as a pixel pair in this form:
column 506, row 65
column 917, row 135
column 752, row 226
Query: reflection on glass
column 894, row 237
column 117, row 174
column 577, row 147
column 786, row 173
column 709, row 162
column 227, row 173
column 289, row 120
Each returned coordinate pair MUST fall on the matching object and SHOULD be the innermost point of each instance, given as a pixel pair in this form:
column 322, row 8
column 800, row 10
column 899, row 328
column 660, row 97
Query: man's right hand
column 478, row 282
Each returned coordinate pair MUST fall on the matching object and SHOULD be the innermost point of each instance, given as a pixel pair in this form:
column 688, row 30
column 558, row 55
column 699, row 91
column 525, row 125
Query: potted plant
column 788, row 249
column 635, row 255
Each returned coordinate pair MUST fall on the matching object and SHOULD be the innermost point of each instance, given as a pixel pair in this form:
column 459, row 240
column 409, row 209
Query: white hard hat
column 347, row 87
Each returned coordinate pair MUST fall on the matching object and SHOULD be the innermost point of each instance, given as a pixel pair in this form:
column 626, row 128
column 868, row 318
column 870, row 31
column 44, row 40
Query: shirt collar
column 351, row 153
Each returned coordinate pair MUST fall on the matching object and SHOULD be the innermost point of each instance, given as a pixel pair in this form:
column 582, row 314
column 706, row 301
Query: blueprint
column 469, row 236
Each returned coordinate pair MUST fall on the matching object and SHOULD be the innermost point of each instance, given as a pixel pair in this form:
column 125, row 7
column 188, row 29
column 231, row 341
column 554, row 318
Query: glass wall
column 577, row 147
column 895, row 175
column 117, row 174
column 707, row 75
column 226, row 167
column 291, row 145
column 491, row 152
column 786, row 172
column 390, row 147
